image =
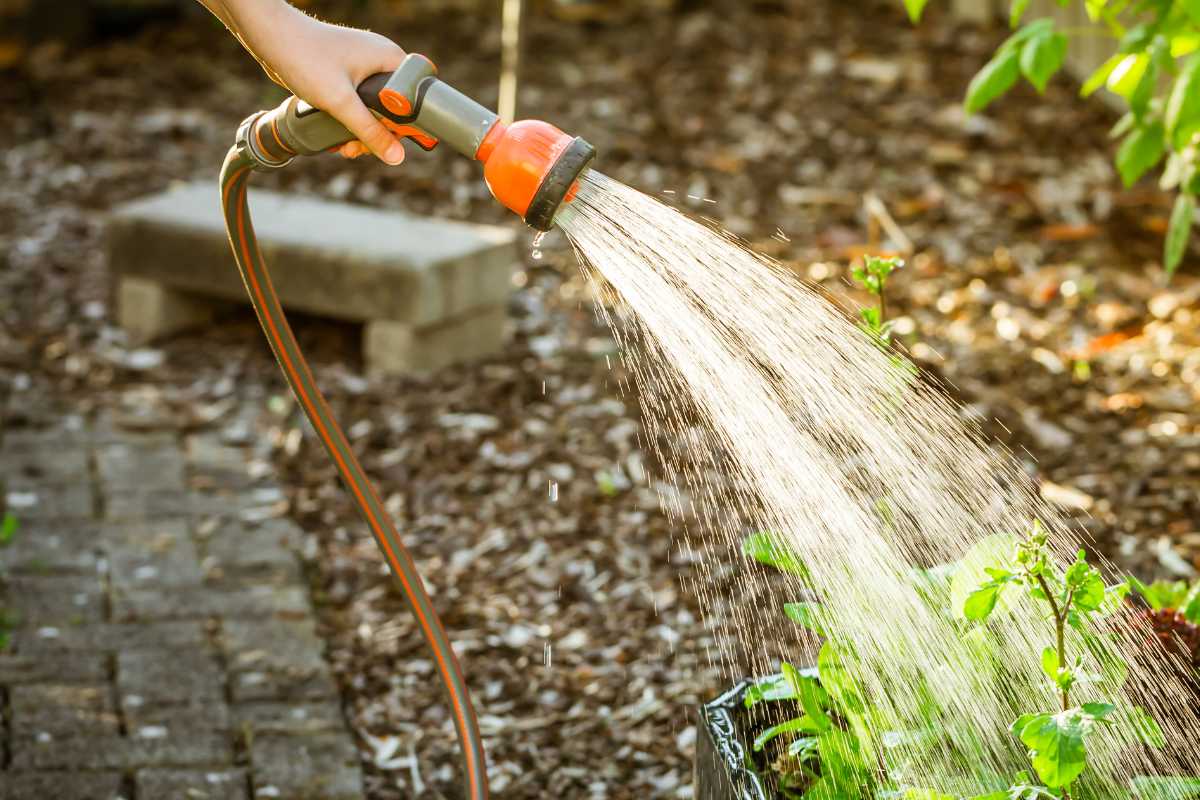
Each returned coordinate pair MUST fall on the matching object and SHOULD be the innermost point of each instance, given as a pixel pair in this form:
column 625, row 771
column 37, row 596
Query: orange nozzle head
column 532, row 167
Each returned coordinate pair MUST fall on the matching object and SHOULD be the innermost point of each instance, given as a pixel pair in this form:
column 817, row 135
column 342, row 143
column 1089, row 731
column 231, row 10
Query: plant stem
column 1060, row 634
column 1060, row 623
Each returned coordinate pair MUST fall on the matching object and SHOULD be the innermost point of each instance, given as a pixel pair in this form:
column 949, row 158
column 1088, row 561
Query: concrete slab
column 335, row 259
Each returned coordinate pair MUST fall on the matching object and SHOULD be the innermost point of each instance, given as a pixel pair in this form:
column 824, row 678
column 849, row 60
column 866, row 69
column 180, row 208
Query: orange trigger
column 419, row 136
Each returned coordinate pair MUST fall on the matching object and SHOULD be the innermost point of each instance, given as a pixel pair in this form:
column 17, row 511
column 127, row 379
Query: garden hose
column 530, row 166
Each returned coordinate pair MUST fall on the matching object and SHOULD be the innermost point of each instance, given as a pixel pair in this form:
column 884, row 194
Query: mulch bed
column 1034, row 293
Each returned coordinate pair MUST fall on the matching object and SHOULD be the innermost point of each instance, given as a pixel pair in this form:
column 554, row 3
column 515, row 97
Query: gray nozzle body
column 435, row 107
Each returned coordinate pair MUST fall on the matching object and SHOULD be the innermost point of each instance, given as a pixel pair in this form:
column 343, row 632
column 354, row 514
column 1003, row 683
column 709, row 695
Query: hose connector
column 246, row 143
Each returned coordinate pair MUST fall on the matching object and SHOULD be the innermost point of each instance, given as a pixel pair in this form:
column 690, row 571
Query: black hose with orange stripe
column 530, row 166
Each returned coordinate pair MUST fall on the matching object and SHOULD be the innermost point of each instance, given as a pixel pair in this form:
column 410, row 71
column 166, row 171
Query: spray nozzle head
column 532, row 168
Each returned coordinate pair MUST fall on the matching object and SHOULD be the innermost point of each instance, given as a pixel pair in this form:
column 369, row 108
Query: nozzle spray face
column 532, row 167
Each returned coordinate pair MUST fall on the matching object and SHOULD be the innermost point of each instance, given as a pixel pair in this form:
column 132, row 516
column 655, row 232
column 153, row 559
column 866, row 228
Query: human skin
column 318, row 62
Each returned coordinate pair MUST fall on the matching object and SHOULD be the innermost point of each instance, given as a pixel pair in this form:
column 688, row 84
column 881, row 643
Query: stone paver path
column 163, row 642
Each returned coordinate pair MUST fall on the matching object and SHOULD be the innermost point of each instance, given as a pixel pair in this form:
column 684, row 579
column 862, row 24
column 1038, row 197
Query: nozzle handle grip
column 295, row 128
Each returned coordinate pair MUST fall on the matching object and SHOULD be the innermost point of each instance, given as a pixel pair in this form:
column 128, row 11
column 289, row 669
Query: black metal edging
column 723, row 769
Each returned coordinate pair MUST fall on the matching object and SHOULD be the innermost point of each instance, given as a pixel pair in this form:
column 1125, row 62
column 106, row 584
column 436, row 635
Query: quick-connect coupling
column 248, row 148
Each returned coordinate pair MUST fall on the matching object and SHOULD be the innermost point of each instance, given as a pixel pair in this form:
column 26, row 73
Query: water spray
column 530, row 166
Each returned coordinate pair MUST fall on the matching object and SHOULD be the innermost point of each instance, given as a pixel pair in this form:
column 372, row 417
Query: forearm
column 318, row 62
column 250, row 21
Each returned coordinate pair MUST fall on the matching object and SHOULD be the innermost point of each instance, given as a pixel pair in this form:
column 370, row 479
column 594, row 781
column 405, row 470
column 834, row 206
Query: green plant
column 835, row 747
column 872, row 274
column 1178, row 596
column 1154, row 69
column 1057, row 740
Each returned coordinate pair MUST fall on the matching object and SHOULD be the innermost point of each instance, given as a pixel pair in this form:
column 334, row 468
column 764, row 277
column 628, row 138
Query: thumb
column 359, row 120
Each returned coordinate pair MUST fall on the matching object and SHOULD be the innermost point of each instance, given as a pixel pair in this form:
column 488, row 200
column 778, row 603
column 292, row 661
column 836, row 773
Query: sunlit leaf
column 1016, row 11
column 1041, row 57
column 996, row 78
column 1142, row 149
column 915, row 8
column 1098, row 78
column 1178, row 231
column 770, row 549
column 1056, row 746
column 797, row 725
column 807, row 615
column 1182, row 114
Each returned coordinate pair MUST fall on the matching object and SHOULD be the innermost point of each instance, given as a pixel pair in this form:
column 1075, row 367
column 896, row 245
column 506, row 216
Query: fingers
column 369, row 131
column 352, row 149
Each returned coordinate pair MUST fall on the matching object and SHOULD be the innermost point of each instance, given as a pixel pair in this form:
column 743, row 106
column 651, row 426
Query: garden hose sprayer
column 531, row 167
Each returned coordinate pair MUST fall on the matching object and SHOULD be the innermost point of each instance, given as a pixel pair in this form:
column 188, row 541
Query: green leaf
column 1050, row 663
column 776, row 687
column 982, row 602
column 1178, row 231
column 1138, row 727
column 1056, row 746
column 1182, row 115
column 1169, row 787
column 1114, row 598
column 797, row 725
column 807, row 615
column 813, row 697
column 1041, row 57
column 8, row 528
column 1192, row 7
column 1097, row 712
column 1162, row 594
column 1100, row 77
column 1191, row 604
column 915, row 8
column 971, row 571
column 996, row 78
column 1016, row 11
column 803, row 748
column 770, row 549
column 833, row 666
column 1127, row 74
column 1142, row 149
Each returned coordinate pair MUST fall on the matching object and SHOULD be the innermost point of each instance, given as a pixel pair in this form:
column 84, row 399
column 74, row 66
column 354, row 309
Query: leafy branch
column 1154, row 69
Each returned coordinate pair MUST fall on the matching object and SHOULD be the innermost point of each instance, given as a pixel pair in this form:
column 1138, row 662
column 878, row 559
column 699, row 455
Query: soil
column 1034, row 291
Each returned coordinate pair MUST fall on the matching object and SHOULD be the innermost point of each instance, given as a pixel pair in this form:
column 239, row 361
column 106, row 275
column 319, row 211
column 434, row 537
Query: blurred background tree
column 1153, row 67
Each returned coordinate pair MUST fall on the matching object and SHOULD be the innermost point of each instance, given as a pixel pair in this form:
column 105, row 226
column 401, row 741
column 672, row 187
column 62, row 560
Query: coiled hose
column 235, row 175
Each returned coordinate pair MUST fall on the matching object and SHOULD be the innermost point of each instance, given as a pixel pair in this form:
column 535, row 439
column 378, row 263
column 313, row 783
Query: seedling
column 1057, row 741
column 873, row 275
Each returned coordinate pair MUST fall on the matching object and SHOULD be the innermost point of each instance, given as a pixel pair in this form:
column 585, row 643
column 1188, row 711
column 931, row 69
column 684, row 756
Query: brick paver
column 162, row 638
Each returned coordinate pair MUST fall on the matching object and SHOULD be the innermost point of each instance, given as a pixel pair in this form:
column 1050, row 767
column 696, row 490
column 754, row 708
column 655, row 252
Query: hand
column 320, row 63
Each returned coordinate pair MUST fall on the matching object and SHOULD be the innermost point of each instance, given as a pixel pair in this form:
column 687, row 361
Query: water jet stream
column 770, row 411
